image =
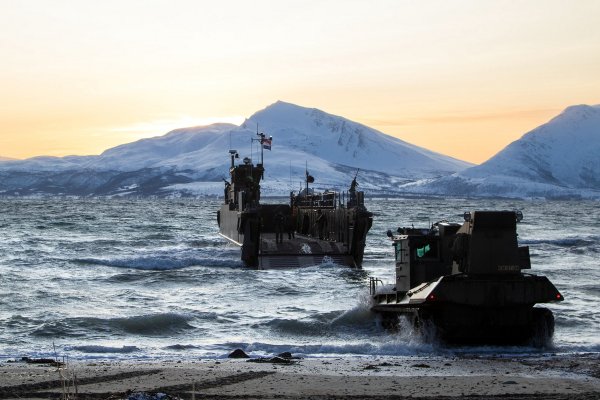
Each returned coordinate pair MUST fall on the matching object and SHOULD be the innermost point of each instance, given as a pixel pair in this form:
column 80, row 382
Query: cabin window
column 421, row 251
column 401, row 250
column 426, row 250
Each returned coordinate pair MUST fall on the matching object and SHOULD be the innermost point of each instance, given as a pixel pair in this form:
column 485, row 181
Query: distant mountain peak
column 341, row 141
column 558, row 158
column 581, row 109
column 579, row 113
column 281, row 113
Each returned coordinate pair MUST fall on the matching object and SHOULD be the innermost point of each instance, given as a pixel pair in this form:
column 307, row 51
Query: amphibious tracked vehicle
column 467, row 282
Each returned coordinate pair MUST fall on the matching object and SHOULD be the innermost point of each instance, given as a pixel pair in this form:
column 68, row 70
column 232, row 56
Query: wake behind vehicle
column 467, row 282
column 311, row 229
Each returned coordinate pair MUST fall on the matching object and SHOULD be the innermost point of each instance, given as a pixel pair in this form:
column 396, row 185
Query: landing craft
column 466, row 282
column 311, row 229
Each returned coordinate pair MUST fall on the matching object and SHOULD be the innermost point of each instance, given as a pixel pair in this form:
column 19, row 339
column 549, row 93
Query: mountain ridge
column 183, row 160
column 555, row 160
column 558, row 159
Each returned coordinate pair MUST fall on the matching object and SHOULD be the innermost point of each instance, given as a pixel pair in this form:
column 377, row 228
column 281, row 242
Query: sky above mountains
column 464, row 78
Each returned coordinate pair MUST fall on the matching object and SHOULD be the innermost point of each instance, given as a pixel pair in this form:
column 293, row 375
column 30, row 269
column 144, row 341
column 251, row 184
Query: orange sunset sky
column 464, row 78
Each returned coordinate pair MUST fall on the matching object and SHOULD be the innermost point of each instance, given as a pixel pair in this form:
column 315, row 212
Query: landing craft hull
column 260, row 248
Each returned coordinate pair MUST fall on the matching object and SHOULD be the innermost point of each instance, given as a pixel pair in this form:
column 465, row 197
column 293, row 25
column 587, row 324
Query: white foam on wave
column 97, row 349
column 166, row 259
column 372, row 347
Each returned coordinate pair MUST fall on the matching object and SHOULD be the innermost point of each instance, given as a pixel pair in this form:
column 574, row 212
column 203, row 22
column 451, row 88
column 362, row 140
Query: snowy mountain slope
column 565, row 151
column 285, row 164
column 146, row 153
column 332, row 147
column 303, row 135
column 558, row 159
column 45, row 163
column 344, row 142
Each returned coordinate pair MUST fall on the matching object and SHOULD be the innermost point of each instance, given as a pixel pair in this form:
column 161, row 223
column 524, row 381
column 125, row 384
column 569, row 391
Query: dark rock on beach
column 272, row 360
column 238, row 353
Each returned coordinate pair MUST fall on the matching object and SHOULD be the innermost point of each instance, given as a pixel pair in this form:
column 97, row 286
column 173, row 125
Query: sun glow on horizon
column 463, row 78
column 162, row 126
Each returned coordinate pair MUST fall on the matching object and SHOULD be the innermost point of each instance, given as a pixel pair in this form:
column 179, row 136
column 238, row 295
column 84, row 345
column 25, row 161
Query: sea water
column 122, row 278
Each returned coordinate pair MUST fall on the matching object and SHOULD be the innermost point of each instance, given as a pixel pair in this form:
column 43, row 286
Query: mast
column 261, row 139
column 306, row 171
column 262, row 136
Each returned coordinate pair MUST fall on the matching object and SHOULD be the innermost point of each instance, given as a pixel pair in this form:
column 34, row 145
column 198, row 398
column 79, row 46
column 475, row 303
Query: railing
column 373, row 283
column 322, row 200
column 329, row 200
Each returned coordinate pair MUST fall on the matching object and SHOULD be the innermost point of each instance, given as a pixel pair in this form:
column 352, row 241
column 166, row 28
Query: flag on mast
column 266, row 143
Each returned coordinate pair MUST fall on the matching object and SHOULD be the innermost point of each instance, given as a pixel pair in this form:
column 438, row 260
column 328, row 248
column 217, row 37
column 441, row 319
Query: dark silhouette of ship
column 466, row 282
column 313, row 228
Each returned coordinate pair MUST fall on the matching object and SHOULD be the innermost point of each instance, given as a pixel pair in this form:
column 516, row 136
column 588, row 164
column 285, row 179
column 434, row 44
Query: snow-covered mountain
column 194, row 160
column 558, row 159
column 344, row 142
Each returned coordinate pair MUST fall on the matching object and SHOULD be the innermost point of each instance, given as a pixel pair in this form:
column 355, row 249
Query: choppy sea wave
column 157, row 261
column 152, row 324
column 151, row 278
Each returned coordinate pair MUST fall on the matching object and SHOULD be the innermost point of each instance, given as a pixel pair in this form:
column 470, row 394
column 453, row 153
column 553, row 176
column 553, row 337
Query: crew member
column 321, row 224
column 279, row 226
